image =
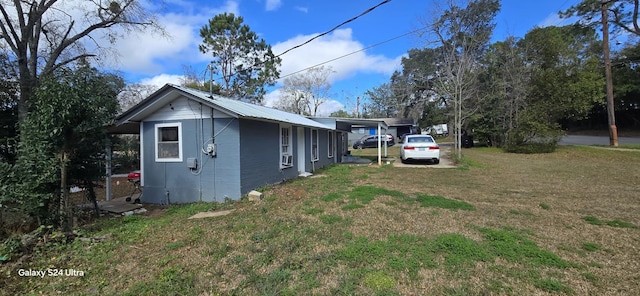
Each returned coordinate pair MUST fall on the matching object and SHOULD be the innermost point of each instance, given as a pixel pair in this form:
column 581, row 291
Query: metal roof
column 232, row 107
column 248, row 110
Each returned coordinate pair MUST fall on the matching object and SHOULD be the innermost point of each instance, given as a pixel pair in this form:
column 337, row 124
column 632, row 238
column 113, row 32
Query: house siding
column 260, row 150
column 248, row 146
column 323, row 142
column 215, row 179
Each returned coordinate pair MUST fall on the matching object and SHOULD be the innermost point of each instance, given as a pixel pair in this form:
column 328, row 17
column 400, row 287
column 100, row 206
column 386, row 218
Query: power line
column 336, row 27
column 315, row 37
column 351, row 53
column 563, row 20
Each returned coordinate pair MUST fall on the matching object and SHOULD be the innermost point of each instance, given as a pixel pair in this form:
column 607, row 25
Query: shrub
column 531, row 148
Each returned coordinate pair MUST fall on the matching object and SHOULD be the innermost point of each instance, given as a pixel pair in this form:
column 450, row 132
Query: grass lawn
column 560, row 223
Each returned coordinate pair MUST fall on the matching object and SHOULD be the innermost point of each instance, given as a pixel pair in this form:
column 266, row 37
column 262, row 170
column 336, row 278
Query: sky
column 362, row 54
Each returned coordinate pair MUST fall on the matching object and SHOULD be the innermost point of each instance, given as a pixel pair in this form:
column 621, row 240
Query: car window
column 420, row 140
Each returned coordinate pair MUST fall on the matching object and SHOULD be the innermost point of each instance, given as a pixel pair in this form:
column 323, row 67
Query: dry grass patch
column 517, row 228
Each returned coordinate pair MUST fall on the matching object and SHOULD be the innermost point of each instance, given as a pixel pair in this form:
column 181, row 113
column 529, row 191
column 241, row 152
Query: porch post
column 108, row 168
column 379, row 143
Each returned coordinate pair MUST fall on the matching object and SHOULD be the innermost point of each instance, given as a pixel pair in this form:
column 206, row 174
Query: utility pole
column 210, row 68
column 613, row 130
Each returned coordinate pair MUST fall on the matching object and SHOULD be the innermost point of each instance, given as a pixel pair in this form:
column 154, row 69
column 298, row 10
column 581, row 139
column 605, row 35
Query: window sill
column 169, row 160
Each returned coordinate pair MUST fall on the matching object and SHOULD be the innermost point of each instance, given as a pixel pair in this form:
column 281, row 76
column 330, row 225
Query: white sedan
column 419, row 147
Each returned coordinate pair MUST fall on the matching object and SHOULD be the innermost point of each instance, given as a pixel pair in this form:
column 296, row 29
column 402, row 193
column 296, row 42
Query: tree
column 567, row 78
column 506, row 82
column 381, row 102
column 8, row 132
column 305, row 92
column 43, row 35
column 133, row 94
column 463, row 33
column 190, row 79
column 245, row 62
column 63, row 139
column 623, row 14
column 293, row 101
column 340, row 114
column 626, row 72
column 9, row 95
column 413, row 89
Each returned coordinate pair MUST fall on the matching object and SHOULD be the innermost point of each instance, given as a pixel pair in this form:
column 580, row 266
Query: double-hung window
column 286, row 155
column 331, row 146
column 168, row 138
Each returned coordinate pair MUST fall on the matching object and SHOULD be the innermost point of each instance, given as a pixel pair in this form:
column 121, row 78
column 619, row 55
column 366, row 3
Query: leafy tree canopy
column 623, row 14
column 63, row 138
column 245, row 62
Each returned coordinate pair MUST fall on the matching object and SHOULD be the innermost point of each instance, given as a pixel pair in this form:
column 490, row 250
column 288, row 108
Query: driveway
column 595, row 140
column 445, row 161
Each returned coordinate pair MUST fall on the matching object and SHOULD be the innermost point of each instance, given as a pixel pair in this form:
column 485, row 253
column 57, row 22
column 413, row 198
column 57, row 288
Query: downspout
column 213, row 141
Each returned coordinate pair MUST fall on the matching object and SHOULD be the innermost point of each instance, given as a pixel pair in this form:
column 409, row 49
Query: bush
column 11, row 248
column 531, row 148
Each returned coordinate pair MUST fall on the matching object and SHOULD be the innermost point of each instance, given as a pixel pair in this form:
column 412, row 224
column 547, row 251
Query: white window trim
column 331, row 145
column 157, row 126
column 317, row 156
column 286, row 159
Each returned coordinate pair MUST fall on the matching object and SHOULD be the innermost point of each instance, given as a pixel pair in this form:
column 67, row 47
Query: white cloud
column 149, row 54
column 329, row 107
column 146, row 53
column 271, row 98
column 162, row 79
column 338, row 44
column 272, row 4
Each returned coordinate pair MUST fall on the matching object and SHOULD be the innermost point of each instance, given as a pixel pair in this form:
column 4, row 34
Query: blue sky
column 150, row 59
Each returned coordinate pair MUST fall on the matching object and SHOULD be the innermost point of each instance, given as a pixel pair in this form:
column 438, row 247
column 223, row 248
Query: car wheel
column 436, row 161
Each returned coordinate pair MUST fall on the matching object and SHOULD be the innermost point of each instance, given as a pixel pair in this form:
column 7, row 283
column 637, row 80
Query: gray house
column 199, row 147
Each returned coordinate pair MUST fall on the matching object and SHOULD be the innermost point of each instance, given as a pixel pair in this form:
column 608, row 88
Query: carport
column 345, row 124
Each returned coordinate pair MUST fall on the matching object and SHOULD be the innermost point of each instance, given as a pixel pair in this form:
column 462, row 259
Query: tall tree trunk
column 27, row 85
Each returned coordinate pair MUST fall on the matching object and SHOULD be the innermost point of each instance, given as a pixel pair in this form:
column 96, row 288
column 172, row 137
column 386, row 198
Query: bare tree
column 45, row 35
column 134, row 94
column 463, row 31
column 293, row 100
column 304, row 93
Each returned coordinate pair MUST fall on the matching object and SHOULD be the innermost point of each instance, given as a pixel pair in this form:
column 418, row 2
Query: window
column 331, row 147
column 420, row 140
column 286, row 157
column 314, row 145
column 168, row 142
